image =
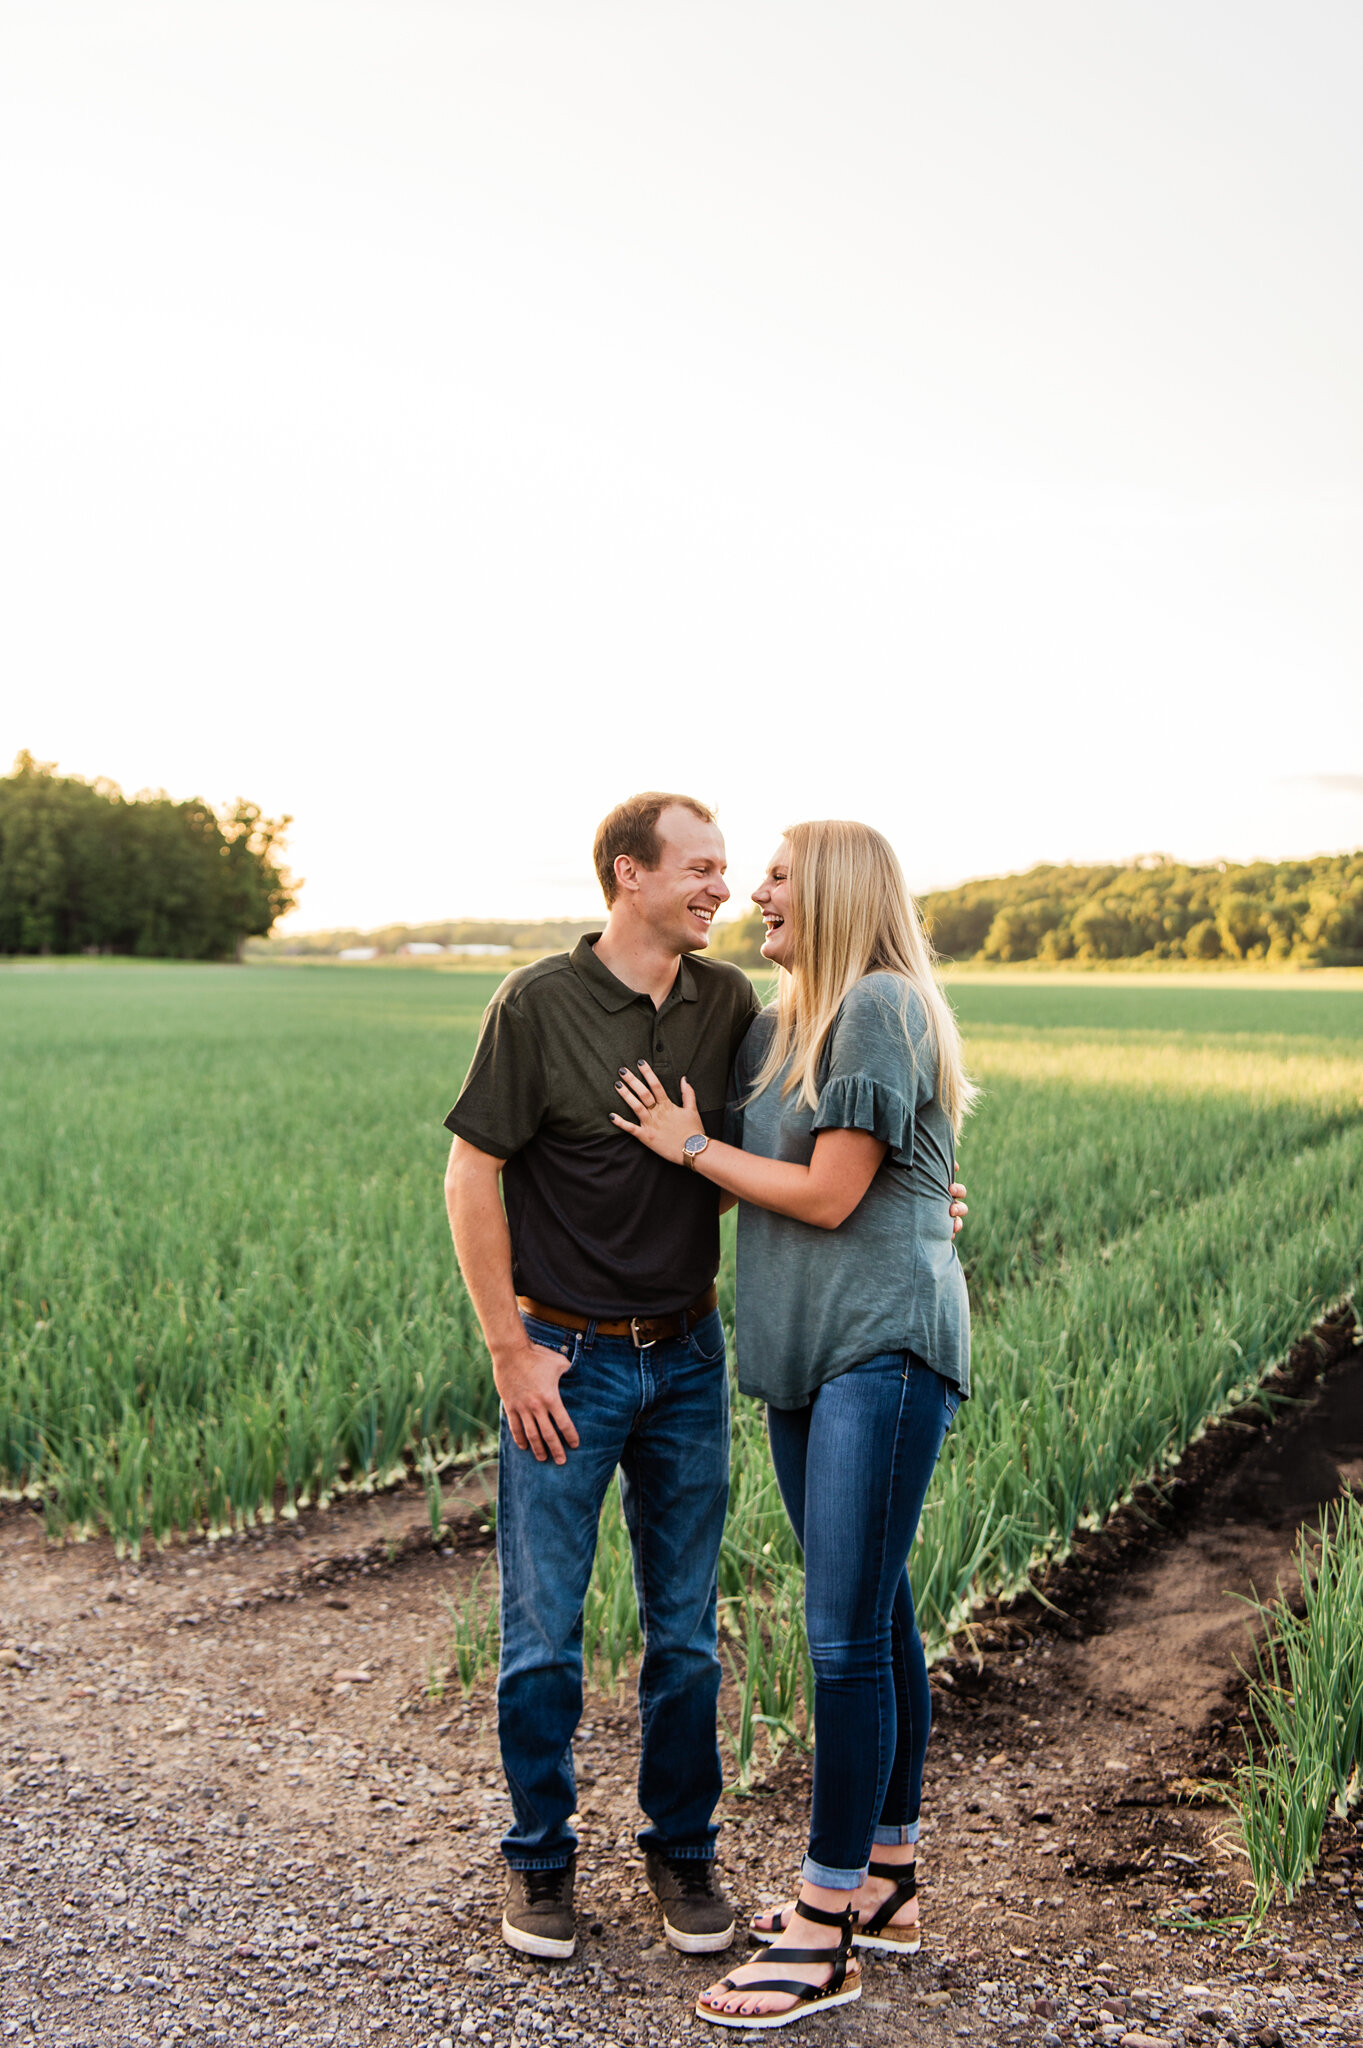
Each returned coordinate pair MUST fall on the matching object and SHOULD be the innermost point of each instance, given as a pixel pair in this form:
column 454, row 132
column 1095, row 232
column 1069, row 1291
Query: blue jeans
column 853, row 1467
column 661, row 1416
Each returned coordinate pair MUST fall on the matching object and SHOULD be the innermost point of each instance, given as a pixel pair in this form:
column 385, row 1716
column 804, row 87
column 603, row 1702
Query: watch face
column 697, row 1142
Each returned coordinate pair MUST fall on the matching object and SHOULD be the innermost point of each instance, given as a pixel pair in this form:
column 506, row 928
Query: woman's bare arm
column 824, row 1193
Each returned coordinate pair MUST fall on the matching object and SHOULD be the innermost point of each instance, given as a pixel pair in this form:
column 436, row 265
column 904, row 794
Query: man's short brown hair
column 632, row 828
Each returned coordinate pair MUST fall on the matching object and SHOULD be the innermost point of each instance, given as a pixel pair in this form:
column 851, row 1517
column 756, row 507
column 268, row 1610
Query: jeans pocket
column 707, row 1339
column 553, row 1337
column 952, row 1397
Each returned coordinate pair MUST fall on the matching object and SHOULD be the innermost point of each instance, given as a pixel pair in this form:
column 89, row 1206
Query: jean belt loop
column 588, row 1337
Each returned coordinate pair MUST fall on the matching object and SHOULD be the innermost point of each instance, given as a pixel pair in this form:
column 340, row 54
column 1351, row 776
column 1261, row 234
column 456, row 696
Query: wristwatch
column 693, row 1148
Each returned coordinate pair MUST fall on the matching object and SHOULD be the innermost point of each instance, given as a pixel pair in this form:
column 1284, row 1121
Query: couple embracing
column 621, row 1096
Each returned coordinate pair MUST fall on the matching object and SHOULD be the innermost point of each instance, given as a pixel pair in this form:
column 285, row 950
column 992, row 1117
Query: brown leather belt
column 645, row 1330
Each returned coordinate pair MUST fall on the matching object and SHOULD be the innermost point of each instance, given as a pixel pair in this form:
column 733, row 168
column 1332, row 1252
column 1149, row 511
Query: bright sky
column 440, row 418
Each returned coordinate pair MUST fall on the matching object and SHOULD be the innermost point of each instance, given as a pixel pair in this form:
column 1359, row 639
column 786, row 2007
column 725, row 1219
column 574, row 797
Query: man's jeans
column 853, row 1467
column 662, row 1416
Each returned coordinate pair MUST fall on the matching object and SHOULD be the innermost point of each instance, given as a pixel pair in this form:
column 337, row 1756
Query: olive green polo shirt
column 599, row 1224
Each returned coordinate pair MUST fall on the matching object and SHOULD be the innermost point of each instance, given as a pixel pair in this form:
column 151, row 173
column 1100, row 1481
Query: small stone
column 357, row 1677
column 1269, row 2037
column 177, row 1727
column 1044, row 2008
column 477, row 1964
column 933, row 1999
column 468, row 2028
column 1145, row 2041
column 9, row 1660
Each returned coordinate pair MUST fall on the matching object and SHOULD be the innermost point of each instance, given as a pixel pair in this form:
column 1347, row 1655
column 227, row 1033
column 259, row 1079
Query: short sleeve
column 503, row 1100
column 871, row 1081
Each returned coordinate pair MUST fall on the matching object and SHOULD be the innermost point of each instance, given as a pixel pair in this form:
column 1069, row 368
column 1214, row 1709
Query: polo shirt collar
column 612, row 994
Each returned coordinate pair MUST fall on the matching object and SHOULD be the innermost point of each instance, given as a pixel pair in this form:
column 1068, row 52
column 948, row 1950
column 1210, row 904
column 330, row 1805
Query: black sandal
column 841, row 1988
column 877, row 1932
column 904, row 1877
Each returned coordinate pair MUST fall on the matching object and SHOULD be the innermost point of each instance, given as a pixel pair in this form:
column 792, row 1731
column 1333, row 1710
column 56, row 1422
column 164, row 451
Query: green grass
column 226, row 1284
column 1306, row 1708
column 1164, row 1004
column 225, row 1278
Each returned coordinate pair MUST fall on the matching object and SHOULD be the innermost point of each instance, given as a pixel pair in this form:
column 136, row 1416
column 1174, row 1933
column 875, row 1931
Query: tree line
column 84, row 869
column 1304, row 912
column 545, row 935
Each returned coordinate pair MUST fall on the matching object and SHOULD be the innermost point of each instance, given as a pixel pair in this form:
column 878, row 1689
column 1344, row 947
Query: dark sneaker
column 538, row 1919
column 697, row 1918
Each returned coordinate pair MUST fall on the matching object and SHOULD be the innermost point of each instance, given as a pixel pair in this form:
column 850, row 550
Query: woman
column 853, row 1327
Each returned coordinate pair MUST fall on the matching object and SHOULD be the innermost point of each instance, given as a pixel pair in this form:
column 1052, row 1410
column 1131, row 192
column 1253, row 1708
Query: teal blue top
column 812, row 1303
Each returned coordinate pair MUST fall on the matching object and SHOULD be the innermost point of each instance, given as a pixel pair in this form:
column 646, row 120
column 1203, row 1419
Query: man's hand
column 527, row 1380
column 957, row 1209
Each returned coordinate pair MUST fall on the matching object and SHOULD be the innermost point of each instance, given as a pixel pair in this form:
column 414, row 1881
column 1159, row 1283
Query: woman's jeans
column 661, row 1415
column 853, row 1467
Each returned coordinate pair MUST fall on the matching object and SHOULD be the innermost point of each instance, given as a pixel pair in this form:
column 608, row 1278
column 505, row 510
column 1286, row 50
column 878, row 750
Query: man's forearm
column 482, row 1244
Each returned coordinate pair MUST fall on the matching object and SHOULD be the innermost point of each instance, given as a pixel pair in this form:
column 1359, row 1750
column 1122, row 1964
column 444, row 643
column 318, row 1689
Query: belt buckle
column 636, row 1323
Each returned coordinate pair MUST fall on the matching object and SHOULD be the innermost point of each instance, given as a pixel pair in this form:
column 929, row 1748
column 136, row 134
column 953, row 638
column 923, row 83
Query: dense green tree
column 740, row 940
column 83, row 869
column 1309, row 912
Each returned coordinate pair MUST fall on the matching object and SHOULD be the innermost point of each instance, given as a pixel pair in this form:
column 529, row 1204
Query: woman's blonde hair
column 852, row 915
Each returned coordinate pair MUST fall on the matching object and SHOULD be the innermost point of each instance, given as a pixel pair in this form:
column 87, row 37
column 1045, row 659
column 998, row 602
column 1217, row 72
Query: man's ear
column 626, row 876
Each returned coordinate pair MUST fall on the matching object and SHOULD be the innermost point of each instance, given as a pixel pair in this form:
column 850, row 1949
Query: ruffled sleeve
column 871, row 1080
column 858, row 1102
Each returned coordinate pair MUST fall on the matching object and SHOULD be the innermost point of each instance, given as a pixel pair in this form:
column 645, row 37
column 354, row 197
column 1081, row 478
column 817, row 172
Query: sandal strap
column 791, row 1986
column 821, row 1916
column 906, row 1888
column 803, row 1955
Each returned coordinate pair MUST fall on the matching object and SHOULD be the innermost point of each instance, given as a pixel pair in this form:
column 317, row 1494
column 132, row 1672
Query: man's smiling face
column 679, row 898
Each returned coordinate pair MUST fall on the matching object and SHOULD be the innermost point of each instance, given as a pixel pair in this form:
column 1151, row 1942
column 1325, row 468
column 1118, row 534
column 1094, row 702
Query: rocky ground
column 230, row 1809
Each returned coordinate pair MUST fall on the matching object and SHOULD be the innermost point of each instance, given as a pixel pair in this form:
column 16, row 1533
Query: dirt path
column 228, row 1811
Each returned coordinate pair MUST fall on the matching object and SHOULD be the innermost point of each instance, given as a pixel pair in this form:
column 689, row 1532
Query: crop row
column 225, row 1285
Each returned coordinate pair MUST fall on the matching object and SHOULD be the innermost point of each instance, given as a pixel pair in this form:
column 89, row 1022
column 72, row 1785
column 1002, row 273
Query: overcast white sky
column 439, row 418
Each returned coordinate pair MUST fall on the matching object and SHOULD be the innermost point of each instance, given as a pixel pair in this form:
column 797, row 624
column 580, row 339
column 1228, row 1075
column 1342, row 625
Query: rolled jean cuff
column 832, row 1880
column 897, row 1838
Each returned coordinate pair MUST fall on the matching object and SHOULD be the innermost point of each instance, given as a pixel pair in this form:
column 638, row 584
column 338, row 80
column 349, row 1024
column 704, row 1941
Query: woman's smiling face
column 772, row 897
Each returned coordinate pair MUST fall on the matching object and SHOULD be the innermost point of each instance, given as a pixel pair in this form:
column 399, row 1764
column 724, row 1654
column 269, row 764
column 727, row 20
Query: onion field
column 226, row 1285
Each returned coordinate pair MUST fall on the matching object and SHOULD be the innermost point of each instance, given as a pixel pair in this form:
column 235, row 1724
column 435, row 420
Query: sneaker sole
column 536, row 1944
column 699, row 1944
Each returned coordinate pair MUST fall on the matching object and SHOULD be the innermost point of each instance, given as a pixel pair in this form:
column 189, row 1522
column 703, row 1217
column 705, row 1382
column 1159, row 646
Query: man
column 595, row 1289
